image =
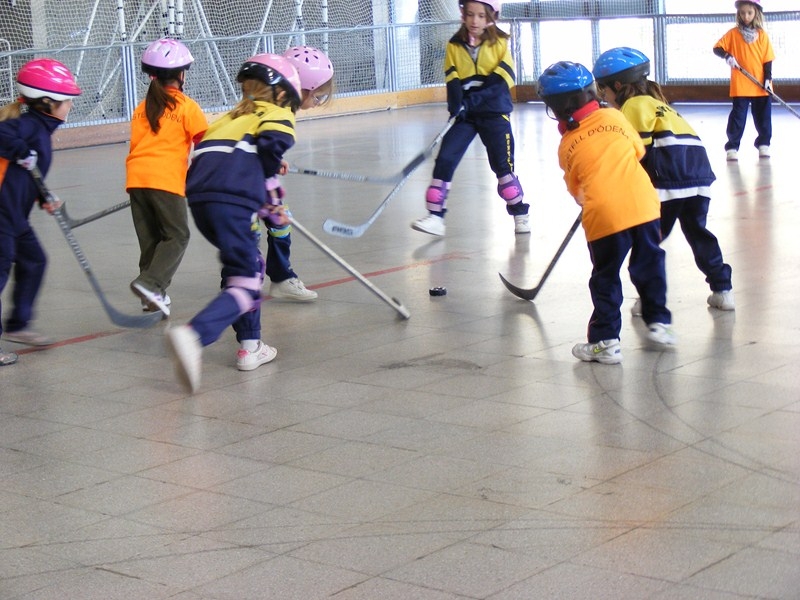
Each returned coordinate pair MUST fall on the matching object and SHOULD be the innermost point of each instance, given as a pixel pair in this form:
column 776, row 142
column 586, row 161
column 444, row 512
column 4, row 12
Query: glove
column 731, row 61
column 273, row 212
column 53, row 205
column 768, row 85
column 29, row 162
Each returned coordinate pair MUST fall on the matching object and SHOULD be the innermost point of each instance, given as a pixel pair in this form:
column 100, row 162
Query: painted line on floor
column 102, row 334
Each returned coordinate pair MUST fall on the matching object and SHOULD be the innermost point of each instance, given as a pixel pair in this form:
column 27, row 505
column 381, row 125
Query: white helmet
column 493, row 4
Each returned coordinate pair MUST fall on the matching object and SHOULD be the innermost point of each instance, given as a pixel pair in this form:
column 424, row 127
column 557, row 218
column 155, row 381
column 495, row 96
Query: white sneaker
column 432, row 224
column 521, row 224
column 150, row 297
column 763, row 152
column 148, row 307
column 636, row 309
column 731, row 155
column 607, row 352
column 29, row 337
column 247, row 361
column 292, row 289
column 183, row 345
column 722, row 300
column 661, row 333
column 7, row 358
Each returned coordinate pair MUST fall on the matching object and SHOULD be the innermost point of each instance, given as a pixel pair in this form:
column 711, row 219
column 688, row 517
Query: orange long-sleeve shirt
column 751, row 57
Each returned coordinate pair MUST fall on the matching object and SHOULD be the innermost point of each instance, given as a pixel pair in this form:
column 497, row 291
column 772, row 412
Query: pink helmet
column 273, row 69
column 756, row 3
column 493, row 4
column 166, row 54
column 313, row 66
column 47, row 78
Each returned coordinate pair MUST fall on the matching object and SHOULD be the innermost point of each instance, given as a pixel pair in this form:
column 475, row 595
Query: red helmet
column 313, row 66
column 46, row 78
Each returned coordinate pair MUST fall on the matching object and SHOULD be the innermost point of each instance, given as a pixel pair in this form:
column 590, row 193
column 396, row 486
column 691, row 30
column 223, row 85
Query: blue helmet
column 566, row 87
column 562, row 78
column 625, row 65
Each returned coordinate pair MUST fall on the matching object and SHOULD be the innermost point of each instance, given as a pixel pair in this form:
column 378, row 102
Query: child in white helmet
column 46, row 89
column 479, row 75
column 163, row 128
column 228, row 183
column 748, row 46
column 316, row 78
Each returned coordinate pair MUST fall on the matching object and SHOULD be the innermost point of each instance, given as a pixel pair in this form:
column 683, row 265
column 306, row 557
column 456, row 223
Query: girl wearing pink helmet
column 747, row 46
column 479, row 75
column 46, row 89
column 316, row 83
column 226, row 187
column 163, row 128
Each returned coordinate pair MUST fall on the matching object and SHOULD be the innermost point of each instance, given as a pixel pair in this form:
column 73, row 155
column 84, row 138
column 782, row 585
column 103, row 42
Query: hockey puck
column 438, row 291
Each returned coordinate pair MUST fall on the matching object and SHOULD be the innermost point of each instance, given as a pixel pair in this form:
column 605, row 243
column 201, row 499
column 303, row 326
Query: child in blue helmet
column 226, row 187
column 599, row 154
column 675, row 159
column 479, row 75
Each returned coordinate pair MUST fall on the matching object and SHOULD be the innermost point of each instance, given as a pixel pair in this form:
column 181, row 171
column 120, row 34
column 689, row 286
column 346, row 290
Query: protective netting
column 375, row 45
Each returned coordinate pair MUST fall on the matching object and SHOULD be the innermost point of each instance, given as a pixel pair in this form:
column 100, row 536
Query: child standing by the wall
column 600, row 153
column 163, row 128
column 316, row 78
column 226, row 188
column 675, row 159
column 46, row 89
column 479, row 75
column 748, row 46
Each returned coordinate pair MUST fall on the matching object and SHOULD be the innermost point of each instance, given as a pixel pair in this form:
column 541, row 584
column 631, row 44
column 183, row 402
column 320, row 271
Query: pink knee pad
column 511, row 190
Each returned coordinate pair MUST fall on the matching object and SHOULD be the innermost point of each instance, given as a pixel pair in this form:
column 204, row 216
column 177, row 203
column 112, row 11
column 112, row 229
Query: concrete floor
column 460, row 454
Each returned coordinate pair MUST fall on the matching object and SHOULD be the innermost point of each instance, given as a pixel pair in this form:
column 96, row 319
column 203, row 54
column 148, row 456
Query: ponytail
column 157, row 101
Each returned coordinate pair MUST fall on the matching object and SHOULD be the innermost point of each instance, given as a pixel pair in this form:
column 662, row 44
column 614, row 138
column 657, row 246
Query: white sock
column 250, row 345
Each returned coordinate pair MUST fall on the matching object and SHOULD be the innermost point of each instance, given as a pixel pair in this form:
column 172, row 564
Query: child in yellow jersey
column 748, row 46
column 228, row 186
column 675, row 159
column 479, row 74
column 164, row 127
column 599, row 154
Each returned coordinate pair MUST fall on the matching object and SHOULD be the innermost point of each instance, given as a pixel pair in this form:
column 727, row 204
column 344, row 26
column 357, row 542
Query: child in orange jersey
column 600, row 153
column 164, row 127
column 748, row 46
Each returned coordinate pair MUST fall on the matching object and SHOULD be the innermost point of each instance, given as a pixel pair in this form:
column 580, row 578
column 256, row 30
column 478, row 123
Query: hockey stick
column 393, row 302
column 533, row 292
column 346, row 176
column 118, row 318
column 73, row 223
column 354, row 231
column 769, row 91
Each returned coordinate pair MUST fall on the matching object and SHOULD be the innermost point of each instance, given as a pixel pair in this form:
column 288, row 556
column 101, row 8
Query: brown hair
column 758, row 20
column 158, row 99
column 643, row 87
column 15, row 109
column 491, row 34
column 253, row 90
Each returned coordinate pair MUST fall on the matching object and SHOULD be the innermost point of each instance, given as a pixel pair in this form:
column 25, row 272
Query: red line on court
column 415, row 265
column 102, row 334
column 758, row 189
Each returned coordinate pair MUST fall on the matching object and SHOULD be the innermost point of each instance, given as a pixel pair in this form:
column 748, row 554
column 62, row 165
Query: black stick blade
column 518, row 291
